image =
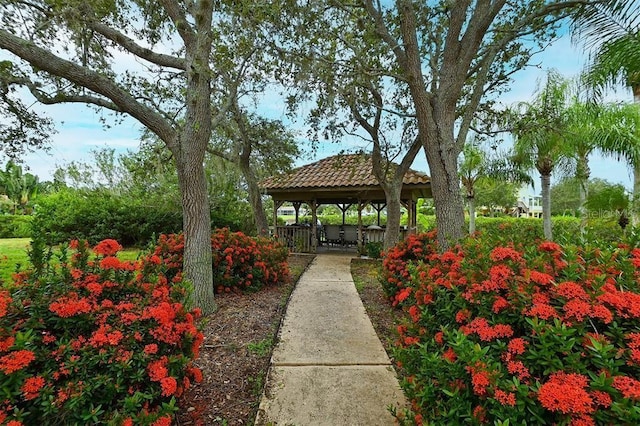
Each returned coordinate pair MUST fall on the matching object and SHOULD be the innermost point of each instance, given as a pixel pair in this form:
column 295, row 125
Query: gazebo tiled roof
column 337, row 173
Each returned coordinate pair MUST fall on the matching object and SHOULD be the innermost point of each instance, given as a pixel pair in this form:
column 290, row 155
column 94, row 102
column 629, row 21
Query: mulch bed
column 236, row 352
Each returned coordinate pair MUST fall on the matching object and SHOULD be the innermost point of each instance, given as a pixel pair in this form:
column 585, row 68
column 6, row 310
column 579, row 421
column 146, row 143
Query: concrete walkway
column 329, row 367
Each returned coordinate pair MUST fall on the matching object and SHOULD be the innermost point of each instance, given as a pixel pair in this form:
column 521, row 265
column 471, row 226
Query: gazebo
column 344, row 181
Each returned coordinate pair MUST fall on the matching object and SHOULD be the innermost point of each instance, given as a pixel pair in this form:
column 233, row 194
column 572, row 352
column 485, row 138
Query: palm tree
column 19, row 187
column 471, row 168
column 476, row 166
column 611, row 129
column 539, row 129
column 610, row 29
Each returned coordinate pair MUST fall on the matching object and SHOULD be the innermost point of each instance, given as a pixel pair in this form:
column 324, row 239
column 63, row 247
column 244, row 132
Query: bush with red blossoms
column 95, row 340
column 539, row 334
column 240, row 262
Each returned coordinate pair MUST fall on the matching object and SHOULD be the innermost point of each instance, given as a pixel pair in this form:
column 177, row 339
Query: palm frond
column 617, row 61
column 604, row 21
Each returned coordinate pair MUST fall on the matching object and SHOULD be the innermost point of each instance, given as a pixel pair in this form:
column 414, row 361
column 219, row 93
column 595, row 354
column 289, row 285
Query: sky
column 79, row 130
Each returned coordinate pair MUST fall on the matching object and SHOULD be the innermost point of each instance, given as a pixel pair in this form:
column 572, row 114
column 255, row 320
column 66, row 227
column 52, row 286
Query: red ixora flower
column 162, row 421
column 17, row 360
column 158, row 369
column 31, row 387
column 517, row 346
column 169, row 386
column 504, row 253
column 450, row 355
column 110, row 262
column 107, row 247
column 505, row 398
column 566, row 393
column 550, row 247
column 68, row 306
column 480, row 378
column 5, row 300
column 487, row 333
column 629, row 387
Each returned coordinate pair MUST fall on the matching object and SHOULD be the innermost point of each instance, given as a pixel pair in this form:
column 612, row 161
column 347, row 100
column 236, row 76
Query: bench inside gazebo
column 344, row 181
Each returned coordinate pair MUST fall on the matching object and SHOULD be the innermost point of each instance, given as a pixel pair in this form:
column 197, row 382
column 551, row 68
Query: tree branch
column 384, row 33
column 131, row 46
column 89, row 79
column 179, row 18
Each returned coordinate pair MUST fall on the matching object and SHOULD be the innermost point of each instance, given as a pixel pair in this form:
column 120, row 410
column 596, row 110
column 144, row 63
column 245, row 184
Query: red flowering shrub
column 542, row 334
column 240, row 262
column 95, row 341
column 396, row 261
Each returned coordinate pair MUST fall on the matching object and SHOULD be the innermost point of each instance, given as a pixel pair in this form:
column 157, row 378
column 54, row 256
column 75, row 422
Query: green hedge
column 565, row 229
column 15, row 226
column 99, row 215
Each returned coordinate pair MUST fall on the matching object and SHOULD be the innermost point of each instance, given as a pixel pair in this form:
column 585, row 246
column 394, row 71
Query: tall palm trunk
column 471, row 205
column 545, row 182
column 583, row 174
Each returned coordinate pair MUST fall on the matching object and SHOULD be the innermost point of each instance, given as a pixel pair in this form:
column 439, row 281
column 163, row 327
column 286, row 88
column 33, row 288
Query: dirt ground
column 239, row 339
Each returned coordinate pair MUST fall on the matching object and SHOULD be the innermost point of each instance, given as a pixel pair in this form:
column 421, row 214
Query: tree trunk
column 635, row 202
column 583, row 209
column 449, row 206
column 545, row 182
column 255, row 198
column 197, row 265
column 583, row 179
column 471, row 204
column 392, row 193
column 195, row 135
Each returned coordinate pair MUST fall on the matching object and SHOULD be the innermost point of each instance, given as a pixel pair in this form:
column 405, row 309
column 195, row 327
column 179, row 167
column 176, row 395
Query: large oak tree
column 72, row 52
column 442, row 61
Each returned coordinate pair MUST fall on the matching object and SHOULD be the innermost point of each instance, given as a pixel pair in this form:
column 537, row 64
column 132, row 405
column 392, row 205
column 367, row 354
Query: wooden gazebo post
column 276, row 205
column 360, row 207
column 314, row 226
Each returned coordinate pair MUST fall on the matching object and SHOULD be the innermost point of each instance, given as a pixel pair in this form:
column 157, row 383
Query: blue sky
column 79, row 130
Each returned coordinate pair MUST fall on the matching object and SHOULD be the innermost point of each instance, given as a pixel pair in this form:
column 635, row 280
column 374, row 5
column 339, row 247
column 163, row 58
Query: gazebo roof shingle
column 338, row 171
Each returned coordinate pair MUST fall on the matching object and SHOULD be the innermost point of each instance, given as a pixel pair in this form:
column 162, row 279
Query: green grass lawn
column 13, row 252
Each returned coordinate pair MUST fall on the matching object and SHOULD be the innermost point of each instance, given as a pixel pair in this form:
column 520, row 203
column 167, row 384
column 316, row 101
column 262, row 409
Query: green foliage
column 604, row 198
column 505, row 230
column 19, row 188
column 336, row 219
column 524, row 230
column 100, row 214
column 15, row 226
column 496, row 193
column 95, row 340
column 533, row 333
column 373, row 249
column 261, row 348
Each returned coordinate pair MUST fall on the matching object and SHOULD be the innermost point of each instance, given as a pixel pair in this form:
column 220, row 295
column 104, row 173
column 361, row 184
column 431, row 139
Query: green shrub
column 15, row 226
column 95, row 341
column 98, row 215
column 532, row 334
column 374, row 249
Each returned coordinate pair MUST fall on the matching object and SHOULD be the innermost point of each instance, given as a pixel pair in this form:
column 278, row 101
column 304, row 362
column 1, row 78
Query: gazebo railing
column 296, row 238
